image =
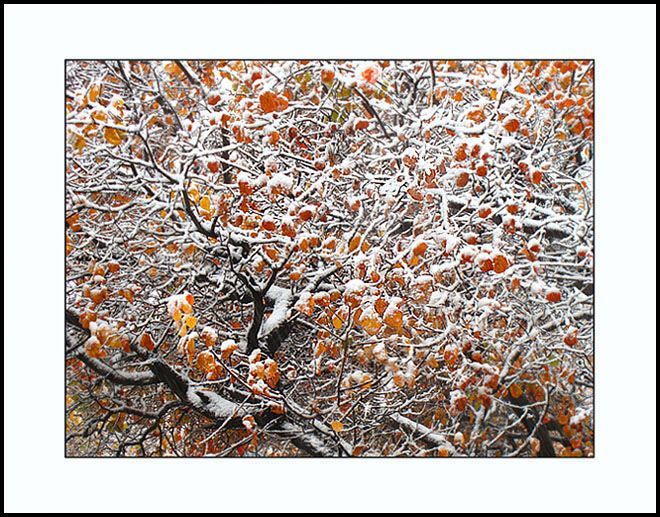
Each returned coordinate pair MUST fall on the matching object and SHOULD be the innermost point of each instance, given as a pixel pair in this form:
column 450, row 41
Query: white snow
column 437, row 298
column 537, row 288
column 218, row 406
column 228, row 344
column 507, row 106
column 355, row 286
column 244, row 177
column 280, row 181
column 210, row 332
column 282, row 298
column 580, row 415
column 451, row 242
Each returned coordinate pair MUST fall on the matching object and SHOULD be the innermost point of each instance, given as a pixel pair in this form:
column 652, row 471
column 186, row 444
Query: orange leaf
column 73, row 222
column 355, row 242
column 327, row 75
column 306, row 213
column 511, row 124
column 571, row 337
column 515, row 391
column 420, row 248
column 272, row 253
column 414, row 193
column 553, row 295
column 500, row 264
column 268, row 102
column 98, row 295
column 113, row 136
column 370, row 324
column 399, row 379
column 146, row 342
column 486, row 265
column 337, row 426
column 380, row 305
column 282, row 103
column 249, row 422
column 305, row 305
column 93, row 348
column 80, row 143
column 462, row 179
column 173, row 69
column 205, row 361
column 126, row 293
column 394, row 318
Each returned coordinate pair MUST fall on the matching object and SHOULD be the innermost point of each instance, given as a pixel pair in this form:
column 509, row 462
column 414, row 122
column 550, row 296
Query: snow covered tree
column 329, row 258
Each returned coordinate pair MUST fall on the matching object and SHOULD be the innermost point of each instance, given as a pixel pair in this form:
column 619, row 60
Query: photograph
column 326, row 258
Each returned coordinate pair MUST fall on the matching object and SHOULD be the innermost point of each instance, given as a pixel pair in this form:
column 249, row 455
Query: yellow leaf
column 115, row 342
column 191, row 321
column 177, row 316
column 337, row 322
column 205, row 203
column 80, row 143
column 194, row 194
column 98, row 115
column 113, row 136
column 337, row 426
column 355, row 242
column 94, row 92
